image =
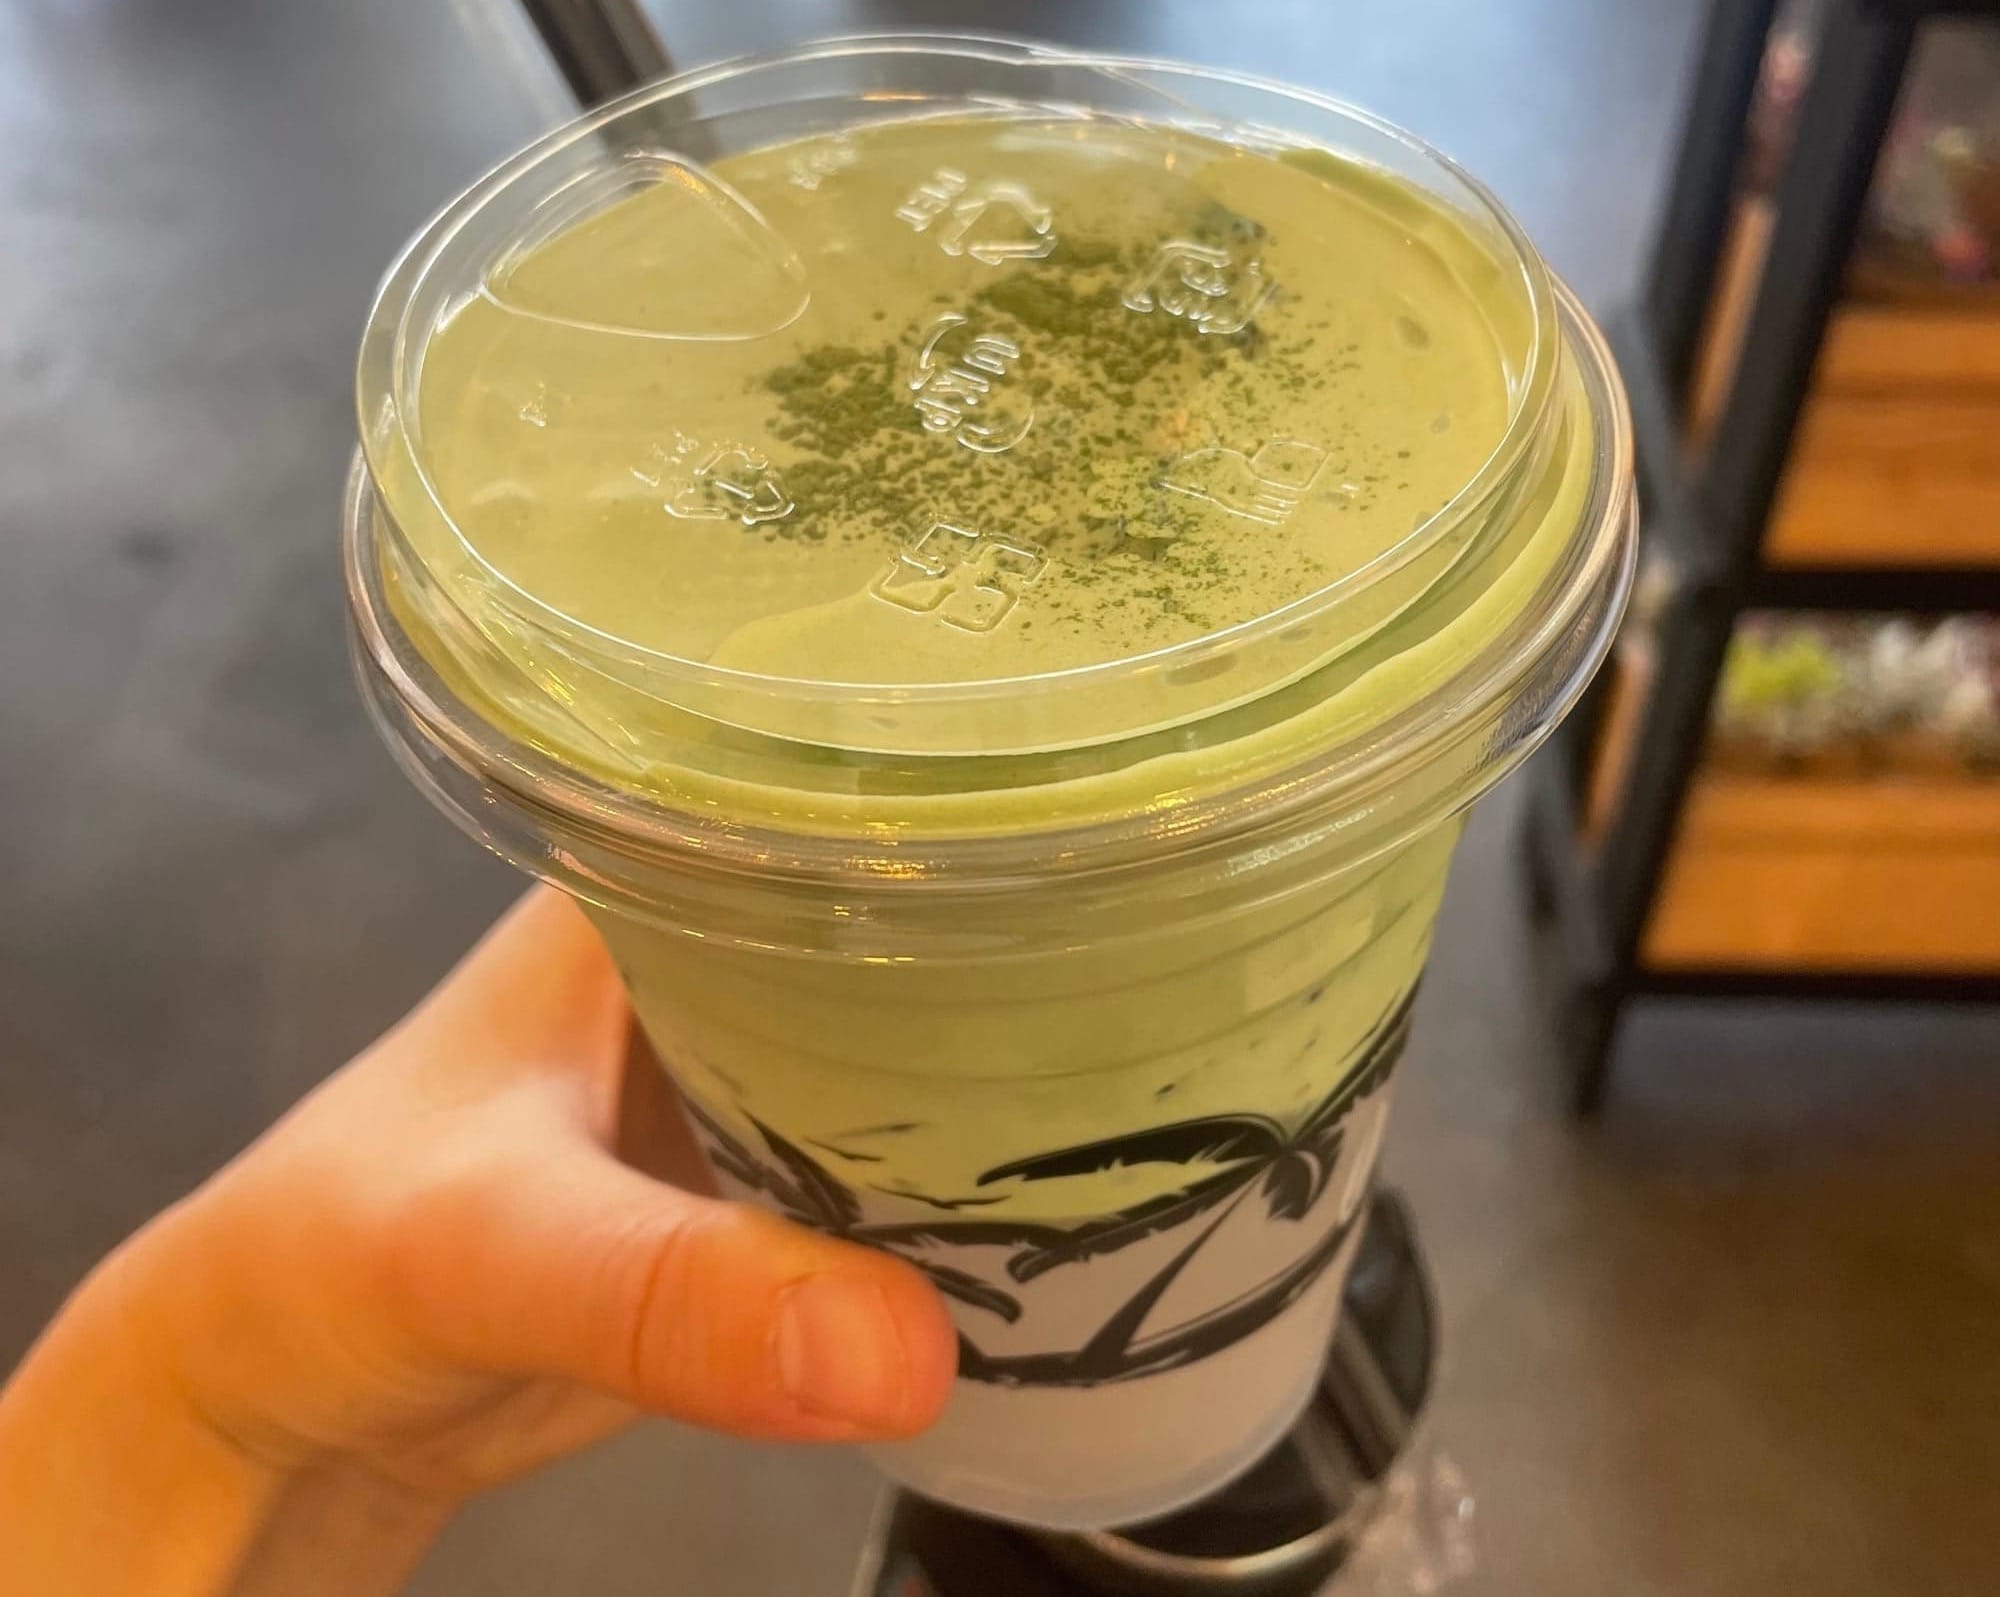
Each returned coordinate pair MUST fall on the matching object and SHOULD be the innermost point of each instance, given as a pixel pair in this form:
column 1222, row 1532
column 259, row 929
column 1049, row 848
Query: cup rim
column 411, row 699
column 387, row 376
column 385, row 391
column 1347, row 780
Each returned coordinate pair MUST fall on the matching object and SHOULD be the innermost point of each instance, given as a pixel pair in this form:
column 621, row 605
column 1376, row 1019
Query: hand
column 434, row 1275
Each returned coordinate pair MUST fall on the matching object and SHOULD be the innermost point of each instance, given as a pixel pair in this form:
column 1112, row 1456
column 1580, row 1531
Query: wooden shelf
column 1897, row 457
column 1896, row 461
column 1817, row 428
column 1849, row 874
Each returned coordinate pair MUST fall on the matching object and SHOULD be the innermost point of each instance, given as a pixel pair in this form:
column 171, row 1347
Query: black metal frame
column 601, row 47
column 1694, row 222
column 1707, row 514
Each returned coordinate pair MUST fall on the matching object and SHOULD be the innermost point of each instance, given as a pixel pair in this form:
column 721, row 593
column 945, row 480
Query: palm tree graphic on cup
column 1289, row 1170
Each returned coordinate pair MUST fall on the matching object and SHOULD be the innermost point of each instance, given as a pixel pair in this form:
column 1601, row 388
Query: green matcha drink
column 996, row 589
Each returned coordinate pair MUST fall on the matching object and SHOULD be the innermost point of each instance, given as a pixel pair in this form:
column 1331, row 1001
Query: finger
column 577, row 1267
column 710, row 1312
column 537, row 994
column 541, row 962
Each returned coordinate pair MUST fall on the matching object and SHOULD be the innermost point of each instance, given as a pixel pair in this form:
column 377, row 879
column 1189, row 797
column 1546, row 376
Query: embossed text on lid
column 936, row 405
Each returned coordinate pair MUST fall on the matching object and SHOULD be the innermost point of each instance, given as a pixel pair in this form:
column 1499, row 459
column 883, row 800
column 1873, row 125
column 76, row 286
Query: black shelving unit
column 1706, row 513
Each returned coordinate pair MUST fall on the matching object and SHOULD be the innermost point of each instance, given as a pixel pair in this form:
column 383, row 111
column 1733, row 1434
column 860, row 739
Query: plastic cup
column 937, row 579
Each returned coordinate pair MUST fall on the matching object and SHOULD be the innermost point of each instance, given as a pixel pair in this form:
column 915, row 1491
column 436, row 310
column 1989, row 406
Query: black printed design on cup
column 1271, row 1176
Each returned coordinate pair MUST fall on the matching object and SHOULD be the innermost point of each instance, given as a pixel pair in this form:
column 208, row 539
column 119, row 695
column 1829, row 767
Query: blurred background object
column 1785, row 790
column 1804, row 693
column 1738, row 1337
column 1933, row 215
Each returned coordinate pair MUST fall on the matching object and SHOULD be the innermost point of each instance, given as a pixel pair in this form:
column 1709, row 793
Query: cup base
column 1073, row 1459
column 1281, row 1526
column 1007, row 1497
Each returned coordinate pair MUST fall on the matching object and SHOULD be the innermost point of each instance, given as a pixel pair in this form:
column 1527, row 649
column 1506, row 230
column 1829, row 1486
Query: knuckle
column 422, row 1239
column 677, row 1291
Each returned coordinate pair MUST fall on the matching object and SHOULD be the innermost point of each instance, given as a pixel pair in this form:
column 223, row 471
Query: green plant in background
column 1788, row 668
column 1881, row 689
column 1782, row 686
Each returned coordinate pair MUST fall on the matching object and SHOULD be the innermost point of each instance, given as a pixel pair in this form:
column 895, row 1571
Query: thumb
column 707, row 1311
column 530, row 1249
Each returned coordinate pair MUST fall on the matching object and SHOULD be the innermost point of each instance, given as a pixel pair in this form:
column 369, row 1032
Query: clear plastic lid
column 1044, row 408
